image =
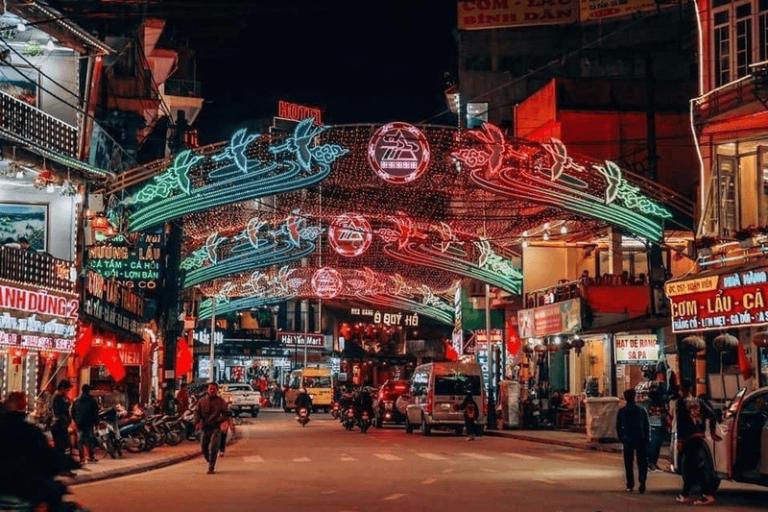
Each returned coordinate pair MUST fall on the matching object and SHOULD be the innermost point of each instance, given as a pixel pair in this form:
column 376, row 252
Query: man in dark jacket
column 634, row 431
column 60, row 427
column 85, row 412
column 471, row 413
column 212, row 411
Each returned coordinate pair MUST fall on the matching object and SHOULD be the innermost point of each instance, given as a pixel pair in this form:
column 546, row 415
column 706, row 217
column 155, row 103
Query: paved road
column 278, row 466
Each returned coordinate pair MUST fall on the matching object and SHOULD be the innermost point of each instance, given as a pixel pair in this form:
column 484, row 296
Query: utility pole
column 489, row 345
column 211, row 349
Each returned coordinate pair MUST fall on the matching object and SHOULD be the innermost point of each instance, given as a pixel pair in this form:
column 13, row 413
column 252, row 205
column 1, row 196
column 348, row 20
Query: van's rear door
column 449, row 392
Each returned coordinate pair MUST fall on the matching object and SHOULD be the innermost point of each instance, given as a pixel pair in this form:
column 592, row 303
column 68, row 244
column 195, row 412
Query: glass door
column 727, row 196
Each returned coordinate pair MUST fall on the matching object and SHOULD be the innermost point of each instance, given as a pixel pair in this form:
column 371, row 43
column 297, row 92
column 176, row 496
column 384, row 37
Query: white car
column 241, row 397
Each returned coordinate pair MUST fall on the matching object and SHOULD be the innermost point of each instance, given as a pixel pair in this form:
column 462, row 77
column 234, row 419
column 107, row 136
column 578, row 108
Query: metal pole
column 491, row 399
column 305, row 318
column 212, row 340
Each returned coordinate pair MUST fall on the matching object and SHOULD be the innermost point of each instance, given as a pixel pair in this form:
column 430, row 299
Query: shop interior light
column 20, row 174
column 49, row 45
column 546, row 235
column 21, row 27
column 50, row 188
column 563, row 229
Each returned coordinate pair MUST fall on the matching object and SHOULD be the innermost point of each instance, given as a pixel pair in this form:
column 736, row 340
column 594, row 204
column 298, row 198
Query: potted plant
column 704, row 245
column 745, row 237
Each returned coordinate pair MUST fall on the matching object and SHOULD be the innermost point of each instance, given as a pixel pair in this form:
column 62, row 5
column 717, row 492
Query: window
column 727, row 198
column 762, row 29
column 457, row 384
column 743, row 39
column 722, row 49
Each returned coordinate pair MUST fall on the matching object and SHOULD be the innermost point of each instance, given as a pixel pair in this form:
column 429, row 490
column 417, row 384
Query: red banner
column 738, row 300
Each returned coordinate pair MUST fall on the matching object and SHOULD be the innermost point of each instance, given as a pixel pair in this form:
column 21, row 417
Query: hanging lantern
column 553, row 347
column 696, row 343
column 566, row 346
column 540, row 348
column 725, row 342
column 760, row 339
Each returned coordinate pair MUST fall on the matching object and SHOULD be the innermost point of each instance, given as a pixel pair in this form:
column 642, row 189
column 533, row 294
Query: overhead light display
column 398, row 153
column 350, row 235
column 327, row 283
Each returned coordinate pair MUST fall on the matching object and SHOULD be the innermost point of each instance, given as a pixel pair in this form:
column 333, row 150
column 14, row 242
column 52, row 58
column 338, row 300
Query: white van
column 436, row 392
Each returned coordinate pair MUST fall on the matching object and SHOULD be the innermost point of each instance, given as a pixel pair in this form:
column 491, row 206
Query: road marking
column 253, row 458
column 566, row 456
column 387, row 456
column 476, row 456
column 302, row 459
column 326, row 493
column 521, row 456
column 393, row 497
column 431, row 456
column 545, row 481
column 347, row 458
column 447, row 470
column 428, row 481
column 488, row 470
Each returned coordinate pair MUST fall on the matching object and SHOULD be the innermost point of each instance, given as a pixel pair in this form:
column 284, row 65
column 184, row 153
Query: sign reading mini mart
column 736, row 299
column 300, row 339
column 636, row 348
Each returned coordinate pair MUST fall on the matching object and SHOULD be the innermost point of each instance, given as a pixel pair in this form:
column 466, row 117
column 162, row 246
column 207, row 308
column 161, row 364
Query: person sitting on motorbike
column 364, row 403
column 303, row 400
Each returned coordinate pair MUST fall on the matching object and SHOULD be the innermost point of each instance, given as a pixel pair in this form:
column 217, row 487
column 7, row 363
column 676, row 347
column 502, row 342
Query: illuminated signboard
column 350, row 235
column 636, row 349
column 327, row 283
column 398, row 153
column 300, row 339
column 387, row 319
column 37, row 319
column 559, row 318
column 736, row 299
column 111, row 302
column 296, row 112
column 135, row 265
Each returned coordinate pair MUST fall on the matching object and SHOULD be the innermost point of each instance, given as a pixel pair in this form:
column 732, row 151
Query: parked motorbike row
column 134, row 431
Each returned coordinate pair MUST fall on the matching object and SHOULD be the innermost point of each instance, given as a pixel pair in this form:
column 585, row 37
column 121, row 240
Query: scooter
column 108, row 434
column 365, row 422
column 336, row 410
column 349, row 419
column 303, row 417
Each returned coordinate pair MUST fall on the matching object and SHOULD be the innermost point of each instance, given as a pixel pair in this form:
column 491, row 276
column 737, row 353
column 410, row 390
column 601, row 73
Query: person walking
column 657, row 417
column 633, row 428
column 691, row 416
column 85, row 412
column 469, row 406
column 212, row 413
column 60, row 426
column 182, row 399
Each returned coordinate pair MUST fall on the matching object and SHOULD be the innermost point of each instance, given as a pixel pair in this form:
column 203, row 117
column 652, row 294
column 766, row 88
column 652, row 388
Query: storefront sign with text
column 559, row 318
column 486, row 14
column 388, row 319
column 636, row 348
column 300, row 339
column 736, row 299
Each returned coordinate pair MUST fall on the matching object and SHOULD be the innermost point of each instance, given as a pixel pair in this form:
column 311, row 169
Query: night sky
column 361, row 61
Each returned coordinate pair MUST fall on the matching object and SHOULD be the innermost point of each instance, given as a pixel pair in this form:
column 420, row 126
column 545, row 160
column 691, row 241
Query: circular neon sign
column 327, row 283
column 398, row 153
column 350, row 234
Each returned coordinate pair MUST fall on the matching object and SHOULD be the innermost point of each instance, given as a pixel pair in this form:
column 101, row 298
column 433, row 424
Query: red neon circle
column 398, row 153
column 327, row 283
column 350, row 234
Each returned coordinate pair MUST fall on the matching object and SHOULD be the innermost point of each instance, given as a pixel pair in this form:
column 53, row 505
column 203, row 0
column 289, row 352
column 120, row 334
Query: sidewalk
column 557, row 437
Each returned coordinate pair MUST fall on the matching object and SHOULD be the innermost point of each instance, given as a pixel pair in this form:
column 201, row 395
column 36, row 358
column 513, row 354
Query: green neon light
column 207, row 253
column 236, row 152
column 174, row 179
column 489, row 260
column 629, row 195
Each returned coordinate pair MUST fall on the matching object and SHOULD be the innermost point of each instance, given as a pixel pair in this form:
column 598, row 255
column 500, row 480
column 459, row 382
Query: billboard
column 598, row 10
column 636, row 349
column 559, row 318
column 486, row 14
column 735, row 299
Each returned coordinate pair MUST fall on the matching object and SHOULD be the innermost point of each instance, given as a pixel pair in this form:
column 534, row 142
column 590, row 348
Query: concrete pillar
column 614, row 251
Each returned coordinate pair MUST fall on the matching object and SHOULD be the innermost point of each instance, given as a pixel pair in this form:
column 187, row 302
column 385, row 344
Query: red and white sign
column 42, row 343
column 350, row 235
column 41, row 302
column 736, row 299
column 398, row 153
column 296, row 112
column 636, row 349
column 327, row 283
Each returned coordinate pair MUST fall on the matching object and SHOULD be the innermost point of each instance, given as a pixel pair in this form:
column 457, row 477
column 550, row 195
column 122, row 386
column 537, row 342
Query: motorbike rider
column 303, row 400
column 364, row 403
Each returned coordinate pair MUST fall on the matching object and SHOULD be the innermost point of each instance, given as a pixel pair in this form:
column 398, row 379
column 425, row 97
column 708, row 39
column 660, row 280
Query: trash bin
column 601, row 418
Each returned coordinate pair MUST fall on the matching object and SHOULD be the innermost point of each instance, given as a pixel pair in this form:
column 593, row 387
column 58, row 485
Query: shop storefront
column 720, row 318
column 38, row 319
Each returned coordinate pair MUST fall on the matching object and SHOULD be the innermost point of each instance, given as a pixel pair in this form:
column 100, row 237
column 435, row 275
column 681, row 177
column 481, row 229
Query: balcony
column 184, row 88
column 24, row 123
column 36, row 269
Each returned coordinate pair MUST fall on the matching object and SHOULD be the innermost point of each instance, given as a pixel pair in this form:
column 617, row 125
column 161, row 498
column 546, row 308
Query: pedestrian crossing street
column 408, row 456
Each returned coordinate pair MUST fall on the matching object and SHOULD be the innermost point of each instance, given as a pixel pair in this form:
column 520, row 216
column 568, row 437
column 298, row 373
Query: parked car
column 241, row 397
column 742, row 453
column 384, row 408
column 436, row 393
column 318, row 381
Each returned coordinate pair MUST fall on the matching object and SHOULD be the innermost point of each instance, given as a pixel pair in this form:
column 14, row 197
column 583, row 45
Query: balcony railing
column 565, row 290
column 185, row 88
column 36, row 269
column 31, row 125
column 724, row 98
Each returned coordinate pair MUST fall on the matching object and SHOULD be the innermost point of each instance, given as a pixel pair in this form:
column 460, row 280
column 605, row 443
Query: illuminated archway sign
column 350, row 235
column 398, row 153
column 327, row 283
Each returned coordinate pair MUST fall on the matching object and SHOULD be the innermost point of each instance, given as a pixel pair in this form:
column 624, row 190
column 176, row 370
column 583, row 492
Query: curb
column 131, row 470
column 570, row 444
column 141, row 468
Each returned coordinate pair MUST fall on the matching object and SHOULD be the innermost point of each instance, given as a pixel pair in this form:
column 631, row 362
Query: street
column 279, row 466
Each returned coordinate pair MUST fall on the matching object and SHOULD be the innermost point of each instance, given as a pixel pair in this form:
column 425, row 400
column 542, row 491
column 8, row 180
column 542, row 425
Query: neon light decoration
column 298, row 162
column 327, row 283
column 398, row 153
column 545, row 173
column 350, row 235
column 391, row 301
column 237, row 305
column 489, row 260
column 255, row 247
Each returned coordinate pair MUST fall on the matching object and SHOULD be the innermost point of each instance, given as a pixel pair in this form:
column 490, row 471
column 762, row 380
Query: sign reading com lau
column 736, row 299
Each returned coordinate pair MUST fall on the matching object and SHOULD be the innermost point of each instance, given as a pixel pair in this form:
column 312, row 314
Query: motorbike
column 365, row 422
column 349, row 419
column 336, row 410
column 108, row 434
column 132, row 431
column 303, row 416
column 188, row 420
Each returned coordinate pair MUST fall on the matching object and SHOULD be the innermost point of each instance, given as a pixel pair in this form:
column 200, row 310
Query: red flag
column 514, row 343
column 744, row 366
column 450, row 352
column 84, row 340
column 183, row 357
column 110, row 358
